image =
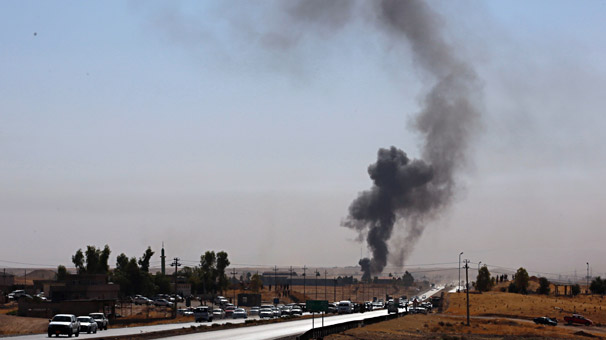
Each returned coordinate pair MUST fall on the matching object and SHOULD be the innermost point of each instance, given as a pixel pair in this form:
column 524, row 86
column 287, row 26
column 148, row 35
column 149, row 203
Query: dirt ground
column 434, row 326
column 495, row 315
column 528, row 306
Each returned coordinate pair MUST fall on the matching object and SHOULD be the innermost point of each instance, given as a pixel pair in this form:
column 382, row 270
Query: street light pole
column 459, row 282
column 479, row 263
column 587, row 278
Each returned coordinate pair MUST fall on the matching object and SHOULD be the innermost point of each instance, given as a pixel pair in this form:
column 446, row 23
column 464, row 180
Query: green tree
column 483, row 280
column 78, row 260
column 521, row 280
column 92, row 259
column 222, row 264
column 162, row 283
column 61, row 273
column 256, row 283
column 132, row 279
column 208, row 271
column 407, row 279
column 96, row 260
column 598, row 286
column 144, row 260
column 104, row 259
column 544, row 286
column 121, row 262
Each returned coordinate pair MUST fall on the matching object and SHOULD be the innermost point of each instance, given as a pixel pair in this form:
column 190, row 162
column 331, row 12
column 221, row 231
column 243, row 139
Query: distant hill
column 42, row 274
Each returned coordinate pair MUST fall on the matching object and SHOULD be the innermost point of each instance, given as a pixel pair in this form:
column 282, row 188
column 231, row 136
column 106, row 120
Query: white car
column 100, row 319
column 163, row 303
column 87, row 324
column 266, row 313
column 142, row 300
column 239, row 313
column 218, row 313
column 64, row 324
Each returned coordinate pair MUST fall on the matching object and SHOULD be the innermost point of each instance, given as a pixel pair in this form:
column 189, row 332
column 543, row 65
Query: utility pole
column 317, row 274
column 467, row 287
column 163, row 261
column 176, row 264
column 325, row 284
column 25, row 282
column 459, row 283
column 233, row 273
column 335, row 293
column 276, row 280
column 304, row 269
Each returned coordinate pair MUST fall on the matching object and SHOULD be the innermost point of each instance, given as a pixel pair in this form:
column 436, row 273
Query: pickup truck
column 577, row 318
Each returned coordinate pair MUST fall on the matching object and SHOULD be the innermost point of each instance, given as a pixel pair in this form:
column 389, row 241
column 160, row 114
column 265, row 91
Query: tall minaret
column 163, row 257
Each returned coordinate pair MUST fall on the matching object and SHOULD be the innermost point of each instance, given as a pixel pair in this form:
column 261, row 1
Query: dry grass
column 528, row 306
column 17, row 325
column 445, row 327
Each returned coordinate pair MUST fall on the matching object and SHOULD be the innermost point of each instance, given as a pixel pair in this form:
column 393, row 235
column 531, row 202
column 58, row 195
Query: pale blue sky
column 133, row 123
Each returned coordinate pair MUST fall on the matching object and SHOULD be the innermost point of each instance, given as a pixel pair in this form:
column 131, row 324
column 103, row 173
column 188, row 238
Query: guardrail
column 320, row 332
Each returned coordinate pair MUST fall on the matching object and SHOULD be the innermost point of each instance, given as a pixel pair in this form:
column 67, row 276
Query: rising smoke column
column 414, row 191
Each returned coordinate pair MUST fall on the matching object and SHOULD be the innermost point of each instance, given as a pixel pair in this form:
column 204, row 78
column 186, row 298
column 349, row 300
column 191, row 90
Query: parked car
column 87, row 324
column 16, row 294
column 266, row 312
column 276, row 312
column 254, row 310
column 100, row 319
column 163, row 303
column 218, row 313
column 239, row 313
column 577, row 318
column 543, row 320
column 203, row 313
column 63, row 324
column 142, row 300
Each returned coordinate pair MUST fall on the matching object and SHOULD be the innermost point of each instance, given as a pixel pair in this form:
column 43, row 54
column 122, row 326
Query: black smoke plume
column 404, row 191
column 414, row 191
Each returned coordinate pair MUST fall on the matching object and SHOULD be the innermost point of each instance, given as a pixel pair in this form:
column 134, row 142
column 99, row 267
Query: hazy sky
column 137, row 123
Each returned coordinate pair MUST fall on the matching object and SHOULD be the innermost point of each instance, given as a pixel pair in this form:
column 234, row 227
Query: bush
column 512, row 288
column 598, row 286
column 575, row 289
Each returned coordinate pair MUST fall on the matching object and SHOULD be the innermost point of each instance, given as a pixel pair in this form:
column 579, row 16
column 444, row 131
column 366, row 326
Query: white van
column 345, row 307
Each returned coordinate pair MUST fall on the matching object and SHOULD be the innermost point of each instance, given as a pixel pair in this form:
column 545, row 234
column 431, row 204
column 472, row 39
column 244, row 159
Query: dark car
column 203, row 313
column 543, row 320
column 577, row 318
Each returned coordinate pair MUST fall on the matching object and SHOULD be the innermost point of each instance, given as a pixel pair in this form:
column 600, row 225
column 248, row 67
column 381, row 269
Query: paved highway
column 271, row 331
